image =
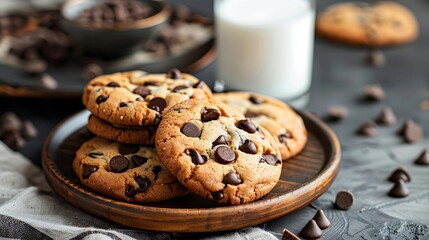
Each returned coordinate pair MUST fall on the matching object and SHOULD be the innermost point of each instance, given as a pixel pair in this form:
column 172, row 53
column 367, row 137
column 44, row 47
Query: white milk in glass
column 265, row 46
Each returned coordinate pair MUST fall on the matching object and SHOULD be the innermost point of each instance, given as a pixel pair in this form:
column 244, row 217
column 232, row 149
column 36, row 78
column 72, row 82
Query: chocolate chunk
column 138, row 160
column 217, row 195
column 130, row 191
column 13, row 140
column 152, row 83
column 411, row 131
column 423, row 159
column 180, row 87
column 399, row 190
column 344, row 200
column 336, row 113
column 113, row 84
column 374, row 93
column 143, row 182
column 123, row 104
column 95, row 154
column 142, row 91
column 248, row 147
column 224, row 155
column 48, row 82
column 36, row 66
column 191, row 130
column 158, row 104
column 367, row 129
column 288, row 235
column 199, row 84
column 209, row 114
column 88, row 170
column 125, row 149
column 250, row 114
column 311, row 230
column 221, row 140
column 102, row 98
column 284, row 137
column 376, row 58
column 196, row 157
column 386, row 117
column 174, row 73
column 28, row 130
column 247, row 125
column 270, row 159
column 118, row 164
column 321, row 219
column 400, row 173
column 232, row 178
column 91, row 71
column 256, row 99
column 10, row 122
column 156, row 170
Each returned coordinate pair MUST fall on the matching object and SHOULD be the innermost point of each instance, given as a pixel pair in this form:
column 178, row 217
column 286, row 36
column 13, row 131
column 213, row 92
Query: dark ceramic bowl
column 113, row 40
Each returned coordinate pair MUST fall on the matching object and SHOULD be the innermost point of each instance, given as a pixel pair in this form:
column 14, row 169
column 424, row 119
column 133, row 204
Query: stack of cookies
column 159, row 136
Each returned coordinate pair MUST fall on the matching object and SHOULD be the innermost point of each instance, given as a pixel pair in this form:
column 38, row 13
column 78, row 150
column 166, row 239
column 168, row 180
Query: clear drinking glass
column 265, row 46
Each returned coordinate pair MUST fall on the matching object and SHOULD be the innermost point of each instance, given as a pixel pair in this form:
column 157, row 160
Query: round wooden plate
column 304, row 178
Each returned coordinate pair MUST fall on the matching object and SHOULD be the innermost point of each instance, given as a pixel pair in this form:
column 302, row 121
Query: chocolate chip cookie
column 137, row 98
column 284, row 124
column 381, row 24
column 128, row 173
column 217, row 153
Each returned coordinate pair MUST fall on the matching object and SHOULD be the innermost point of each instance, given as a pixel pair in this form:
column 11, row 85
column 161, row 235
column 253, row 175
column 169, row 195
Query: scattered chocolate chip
column 36, row 66
column 411, row 131
column 321, row 219
column 284, row 137
column 374, row 93
column 399, row 189
column 10, row 122
column 209, row 114
column 400, row 173
column 376, row 58
column 224, row 154
column 344, row 200
column 336, row 113
column 311, row 230
column 248, row 147
column 101, row 99
column 28, row 130
column 88, row 170
column 152, row 83
column 48, row 82
column 221, row 140
column 180, row 87
column 95, row 155
column 367, row 129
column 143, row 182
column 158, row 104
column 142, row 91
column 13, row 140
column 138, row 160
column 123, row 104
column 256, row 99
column 232, row 178
column 199, row 84
column 247, row 125
column 113, row 85
column 174, row 73
column 191, row 130
column 423, row 159
column 118, row 164
column 130, row 191
column 386, row 117
column 91, row 71
column 156, row 170
column 250, row 114
column 288, row 235
column 217, row 195
column 196, row 157
column 270, row 159
column 125, row 149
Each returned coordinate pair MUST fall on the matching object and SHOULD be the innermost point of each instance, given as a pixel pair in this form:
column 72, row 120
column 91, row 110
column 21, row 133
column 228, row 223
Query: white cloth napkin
column 29, row 209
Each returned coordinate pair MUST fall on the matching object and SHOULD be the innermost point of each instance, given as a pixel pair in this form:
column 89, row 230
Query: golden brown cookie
column 217, row 153
column 137, row 98
column 284, row 124
column 128, row 173
column 381, row 24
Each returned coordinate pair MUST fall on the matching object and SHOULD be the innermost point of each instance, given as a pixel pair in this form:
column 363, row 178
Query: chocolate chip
column 232, row 178
column 256, row 99
column 138, row 160
column 224, row 155
column 209, row 114
column 411, row 131
column 95, row 155
column 344, row 200
column 113, row 84
column 311, row 230
column 250, row 114
column 217, row 195
column 288, row 235
column 399, row 189
column 336, row 113
column 321, row 219
column 91, row 71
column 180, row 87
column 376, row 58
column 152, row 83
column 248, row 147
column 374, row 93
column 125, row 149
column 130, row 191
column 247, row 125
column 118, row 164
column 123, row 104
column 143, row 182
column 199, row 84
column 10, row 122
column 284, row 137
column 423, row 159
column 48, row 82
column 196, row 157
column 36, row 66
column 221, row 140
column 158, row 104
column 156, row 170
column 101, row 99
column 174, row 73
column 142, row 91
column 400, row 173
column 367, row 129
column 191, row 130
column 270, row 159
column 88, row 170
column 13, row 140
column 386, row 117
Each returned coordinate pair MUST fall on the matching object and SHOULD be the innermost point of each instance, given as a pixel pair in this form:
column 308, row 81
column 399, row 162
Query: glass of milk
column 265, row 46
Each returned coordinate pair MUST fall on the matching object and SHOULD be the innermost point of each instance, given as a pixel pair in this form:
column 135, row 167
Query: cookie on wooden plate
column 217, row 153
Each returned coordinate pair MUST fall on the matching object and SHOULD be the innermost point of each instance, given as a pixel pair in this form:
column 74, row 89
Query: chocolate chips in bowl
column 113, row 28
